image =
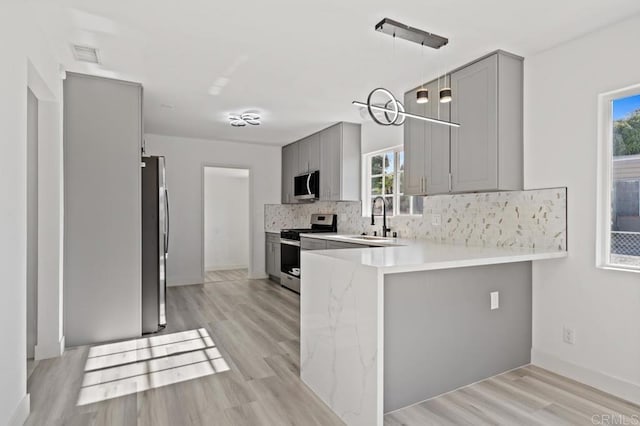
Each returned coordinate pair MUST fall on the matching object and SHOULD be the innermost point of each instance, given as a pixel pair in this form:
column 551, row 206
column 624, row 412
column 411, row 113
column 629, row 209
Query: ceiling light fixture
column 241, row 120
column 397, row 29
column 393, row 113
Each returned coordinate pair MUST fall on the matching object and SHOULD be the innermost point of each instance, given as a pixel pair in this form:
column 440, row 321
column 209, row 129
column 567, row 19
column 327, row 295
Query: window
column 384, row 176
column 619, row 180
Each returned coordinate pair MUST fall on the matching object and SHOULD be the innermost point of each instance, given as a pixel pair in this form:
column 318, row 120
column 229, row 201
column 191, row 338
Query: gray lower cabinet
column 487, row 148
column 426, row 145
column 333, row 245
column 307, row 243
column 272, row 251
column 312, row 244
column 486, row 152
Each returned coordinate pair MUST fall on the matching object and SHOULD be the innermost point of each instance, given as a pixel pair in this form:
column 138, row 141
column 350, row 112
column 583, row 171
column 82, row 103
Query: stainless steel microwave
column 307, row 186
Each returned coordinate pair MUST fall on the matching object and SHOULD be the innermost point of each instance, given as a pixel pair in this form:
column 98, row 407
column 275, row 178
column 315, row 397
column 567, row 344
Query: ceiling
column 299, row 63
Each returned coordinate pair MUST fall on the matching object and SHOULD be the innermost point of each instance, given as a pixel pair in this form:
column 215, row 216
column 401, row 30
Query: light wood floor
column 254, row 324
column 226, row 275
column 255, row 327
column 526, row 396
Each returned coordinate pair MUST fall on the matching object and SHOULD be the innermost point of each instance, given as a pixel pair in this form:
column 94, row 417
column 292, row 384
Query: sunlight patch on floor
column 123, row 368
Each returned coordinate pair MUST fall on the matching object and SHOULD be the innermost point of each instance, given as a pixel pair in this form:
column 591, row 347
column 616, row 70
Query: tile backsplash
column 532, row 218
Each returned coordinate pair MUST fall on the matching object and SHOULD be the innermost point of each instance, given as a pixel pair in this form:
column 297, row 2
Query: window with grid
column 385, row 178
column 619, row 186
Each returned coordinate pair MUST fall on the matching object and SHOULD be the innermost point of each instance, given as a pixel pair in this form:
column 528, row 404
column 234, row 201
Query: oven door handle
column 290, row 242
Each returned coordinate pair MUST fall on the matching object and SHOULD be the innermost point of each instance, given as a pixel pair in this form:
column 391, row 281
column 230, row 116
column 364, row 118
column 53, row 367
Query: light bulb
column 445, row 95
column 422, row 96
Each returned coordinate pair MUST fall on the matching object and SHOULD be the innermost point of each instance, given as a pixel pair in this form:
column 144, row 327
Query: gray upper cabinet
column 340, row 162
column 414, row 146
column 309, row 154
column 330, row 163
column 335, row 152
column 290, row 165
column 426, row 146
column 485, row 152
column 487, row 148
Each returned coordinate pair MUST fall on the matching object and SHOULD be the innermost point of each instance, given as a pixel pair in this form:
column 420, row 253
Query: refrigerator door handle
column 166, row 234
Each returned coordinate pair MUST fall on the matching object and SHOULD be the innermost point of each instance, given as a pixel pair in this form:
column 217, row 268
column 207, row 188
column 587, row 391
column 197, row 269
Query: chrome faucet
column 385, row 230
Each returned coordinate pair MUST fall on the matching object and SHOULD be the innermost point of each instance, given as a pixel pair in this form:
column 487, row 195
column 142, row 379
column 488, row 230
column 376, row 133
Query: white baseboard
column 179, row 281
column 258, row 277
column 225, row 267
column 610, row 384
column 21, row 412
column 53, row 350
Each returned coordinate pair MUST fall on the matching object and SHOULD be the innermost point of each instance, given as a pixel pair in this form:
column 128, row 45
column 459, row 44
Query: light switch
column 495, row 300
column 436, row 219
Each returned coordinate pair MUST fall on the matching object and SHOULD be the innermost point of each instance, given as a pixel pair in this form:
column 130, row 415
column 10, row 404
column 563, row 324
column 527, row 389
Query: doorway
column 226, row 215
column 32, row 229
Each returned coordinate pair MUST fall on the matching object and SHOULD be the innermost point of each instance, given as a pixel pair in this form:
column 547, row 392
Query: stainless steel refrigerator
column 155, row 244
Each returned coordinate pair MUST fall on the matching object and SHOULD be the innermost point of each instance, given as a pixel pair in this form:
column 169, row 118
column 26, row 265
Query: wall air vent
column 85, row 54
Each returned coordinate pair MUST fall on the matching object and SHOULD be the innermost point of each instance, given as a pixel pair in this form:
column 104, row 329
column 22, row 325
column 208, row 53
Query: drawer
column 312, row 244
column 340, row 245
column 273, row 237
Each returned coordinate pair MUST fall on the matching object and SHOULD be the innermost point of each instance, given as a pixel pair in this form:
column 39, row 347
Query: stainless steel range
column 290, row 248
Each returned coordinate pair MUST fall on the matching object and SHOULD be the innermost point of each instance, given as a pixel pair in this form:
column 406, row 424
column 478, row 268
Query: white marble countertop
column 358, row 239
column 397, row 255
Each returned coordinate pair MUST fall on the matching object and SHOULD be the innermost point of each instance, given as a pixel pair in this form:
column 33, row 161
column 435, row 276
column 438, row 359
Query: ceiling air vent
column 85, row 54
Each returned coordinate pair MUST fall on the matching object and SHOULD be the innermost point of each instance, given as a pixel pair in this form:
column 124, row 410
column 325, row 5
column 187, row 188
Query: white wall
column 376, row 137
column 185, row 158
column 561, row 88
column 20, row 45
column 226, row 218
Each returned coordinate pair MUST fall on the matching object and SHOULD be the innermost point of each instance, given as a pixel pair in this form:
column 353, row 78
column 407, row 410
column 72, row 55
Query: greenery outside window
column 618, row 236
column 384, row 177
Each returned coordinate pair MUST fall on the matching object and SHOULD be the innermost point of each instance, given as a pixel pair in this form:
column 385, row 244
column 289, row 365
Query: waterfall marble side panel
column 341, row 337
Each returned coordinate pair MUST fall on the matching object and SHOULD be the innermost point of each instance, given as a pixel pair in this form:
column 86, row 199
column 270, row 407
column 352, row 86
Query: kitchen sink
column 371, row 238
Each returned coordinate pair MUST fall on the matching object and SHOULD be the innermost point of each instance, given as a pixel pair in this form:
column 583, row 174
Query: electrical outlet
column 436, row 219
column 568, row 335
column 495, row 300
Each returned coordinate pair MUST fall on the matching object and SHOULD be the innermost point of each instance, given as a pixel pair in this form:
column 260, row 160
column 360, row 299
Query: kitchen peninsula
column 386, row 327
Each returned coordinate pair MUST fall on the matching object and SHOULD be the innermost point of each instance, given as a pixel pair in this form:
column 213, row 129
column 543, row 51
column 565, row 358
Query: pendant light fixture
column 422, row 96
column 392, row 112
column 445, row 92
